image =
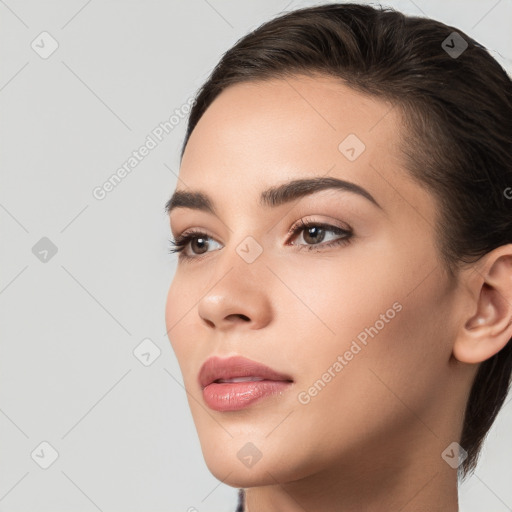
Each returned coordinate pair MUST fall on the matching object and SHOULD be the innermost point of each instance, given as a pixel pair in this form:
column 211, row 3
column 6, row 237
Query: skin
column 372, row 438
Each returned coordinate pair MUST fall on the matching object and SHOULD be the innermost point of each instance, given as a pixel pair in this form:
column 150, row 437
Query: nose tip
column 239, row 298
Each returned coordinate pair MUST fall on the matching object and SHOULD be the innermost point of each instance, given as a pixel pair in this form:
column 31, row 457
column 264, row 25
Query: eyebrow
column 271, row 197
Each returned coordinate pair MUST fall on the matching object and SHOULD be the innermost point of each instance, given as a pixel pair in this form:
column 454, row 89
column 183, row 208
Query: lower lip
column 233, row 396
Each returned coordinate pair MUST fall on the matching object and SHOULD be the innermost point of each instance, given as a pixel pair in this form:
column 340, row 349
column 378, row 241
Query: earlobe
column 489, row 327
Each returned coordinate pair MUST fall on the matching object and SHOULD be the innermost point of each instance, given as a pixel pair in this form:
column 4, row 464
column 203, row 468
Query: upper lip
column 236, row 366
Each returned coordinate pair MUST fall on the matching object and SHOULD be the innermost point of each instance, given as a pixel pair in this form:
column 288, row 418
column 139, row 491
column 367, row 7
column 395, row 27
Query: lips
column 239, row 368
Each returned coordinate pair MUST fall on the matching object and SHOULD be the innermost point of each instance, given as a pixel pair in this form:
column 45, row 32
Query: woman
column 342, row 306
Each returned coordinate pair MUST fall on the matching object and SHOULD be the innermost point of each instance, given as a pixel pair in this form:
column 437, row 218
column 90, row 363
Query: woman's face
column 363, row 327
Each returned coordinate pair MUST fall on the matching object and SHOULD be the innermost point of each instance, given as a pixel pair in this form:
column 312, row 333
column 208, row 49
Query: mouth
column 234, row 383
column 237, row 369
column 251, row 378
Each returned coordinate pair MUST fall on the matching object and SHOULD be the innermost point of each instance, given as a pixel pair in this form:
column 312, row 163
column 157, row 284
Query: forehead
column 257, row 134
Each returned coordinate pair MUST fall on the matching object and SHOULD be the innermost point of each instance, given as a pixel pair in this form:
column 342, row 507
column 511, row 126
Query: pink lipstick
column 233, row 383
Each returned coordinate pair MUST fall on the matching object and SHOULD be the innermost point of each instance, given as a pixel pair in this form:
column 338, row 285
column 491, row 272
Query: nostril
column 242, row 317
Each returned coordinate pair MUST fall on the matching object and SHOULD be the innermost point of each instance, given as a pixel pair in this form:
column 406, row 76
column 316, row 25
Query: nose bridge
column 241, row 265
column 244, row 249
column 237, row 287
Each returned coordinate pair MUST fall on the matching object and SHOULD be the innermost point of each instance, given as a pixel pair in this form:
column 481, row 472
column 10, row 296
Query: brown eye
column 199, row 245
column 314, row 235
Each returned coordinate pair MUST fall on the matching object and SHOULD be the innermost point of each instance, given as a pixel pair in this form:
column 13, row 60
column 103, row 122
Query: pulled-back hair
column 456, row 111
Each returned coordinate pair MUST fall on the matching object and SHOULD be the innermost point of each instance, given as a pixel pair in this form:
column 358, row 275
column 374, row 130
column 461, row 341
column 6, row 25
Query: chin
column 248, row 461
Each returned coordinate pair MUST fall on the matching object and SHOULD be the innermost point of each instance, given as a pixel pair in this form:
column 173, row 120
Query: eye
column 192, row 237
column 314, row 233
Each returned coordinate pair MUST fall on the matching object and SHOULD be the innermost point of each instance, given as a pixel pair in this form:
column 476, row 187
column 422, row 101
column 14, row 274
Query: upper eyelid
column 296, row 227
column 305, row 216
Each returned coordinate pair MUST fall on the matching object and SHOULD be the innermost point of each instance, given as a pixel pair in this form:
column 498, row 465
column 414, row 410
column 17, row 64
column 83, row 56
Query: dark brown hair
column 457, row 136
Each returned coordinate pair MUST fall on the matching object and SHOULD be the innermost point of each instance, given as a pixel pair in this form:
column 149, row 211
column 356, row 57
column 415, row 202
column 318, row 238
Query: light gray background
column 123, row 432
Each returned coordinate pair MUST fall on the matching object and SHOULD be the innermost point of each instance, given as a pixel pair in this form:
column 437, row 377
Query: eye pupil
column 317, row 233
column 201, row 242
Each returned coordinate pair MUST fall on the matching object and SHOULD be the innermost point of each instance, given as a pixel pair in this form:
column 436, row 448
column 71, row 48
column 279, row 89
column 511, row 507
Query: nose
column 238, row 297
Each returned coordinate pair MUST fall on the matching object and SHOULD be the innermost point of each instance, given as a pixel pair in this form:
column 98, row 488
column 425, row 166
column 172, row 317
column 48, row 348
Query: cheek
column 377, row 339
column 332, row 300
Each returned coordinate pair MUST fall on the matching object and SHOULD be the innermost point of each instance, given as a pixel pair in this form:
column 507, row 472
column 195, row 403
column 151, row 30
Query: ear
column 487, row 328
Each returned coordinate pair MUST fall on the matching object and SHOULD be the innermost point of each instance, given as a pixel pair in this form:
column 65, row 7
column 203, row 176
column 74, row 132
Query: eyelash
column 179, row 244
